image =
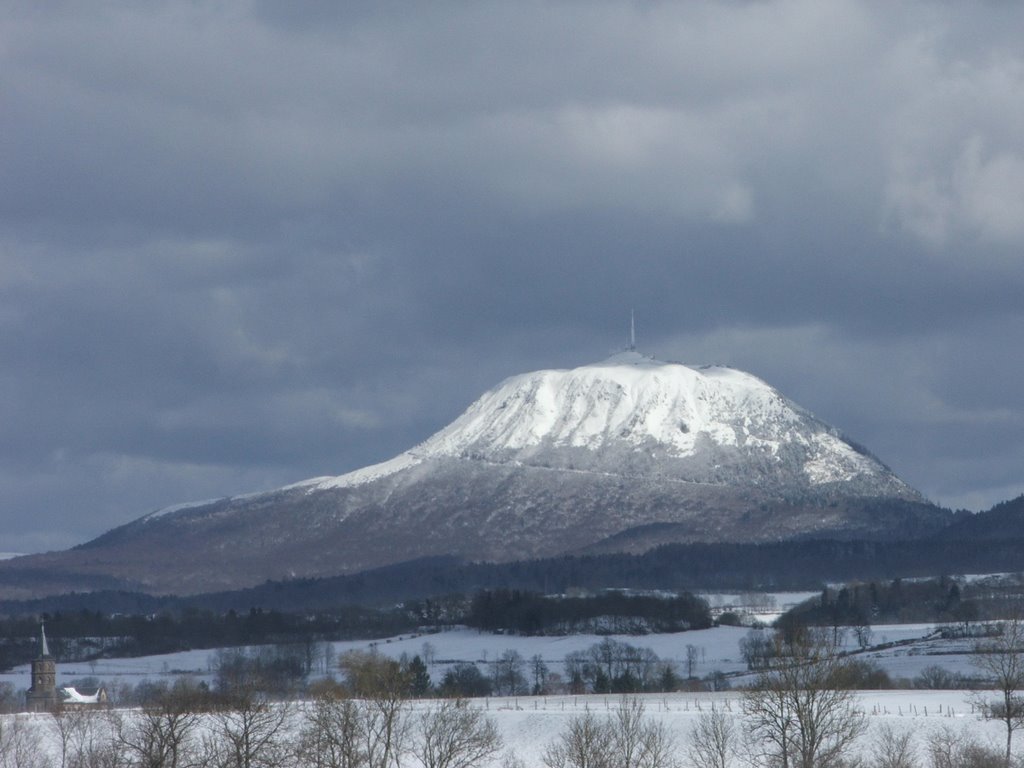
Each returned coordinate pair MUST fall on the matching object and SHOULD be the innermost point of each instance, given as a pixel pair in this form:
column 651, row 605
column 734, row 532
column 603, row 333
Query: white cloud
column 989, row 189
column 955, row 149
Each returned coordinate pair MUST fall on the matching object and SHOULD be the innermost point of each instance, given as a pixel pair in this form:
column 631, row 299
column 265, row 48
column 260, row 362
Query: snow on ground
column 529, row 724
column 766, row 607
column 718, row 649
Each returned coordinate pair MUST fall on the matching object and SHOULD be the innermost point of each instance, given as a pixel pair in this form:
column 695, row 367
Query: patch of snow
column 718, row 649
column 361, row 476
column 180, row 507
column 632, row 408
column 628, row 398
column 72, row 696
column 766, row 607
column 528, row 724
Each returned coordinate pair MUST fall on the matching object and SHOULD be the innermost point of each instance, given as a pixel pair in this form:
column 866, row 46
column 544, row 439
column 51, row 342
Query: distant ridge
column 1004, row 521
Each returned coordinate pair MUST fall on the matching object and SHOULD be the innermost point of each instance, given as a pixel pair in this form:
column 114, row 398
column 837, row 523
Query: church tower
column 42, row 696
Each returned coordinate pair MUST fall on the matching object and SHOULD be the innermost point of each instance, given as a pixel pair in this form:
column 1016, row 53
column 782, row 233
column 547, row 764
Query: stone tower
column 42, row 696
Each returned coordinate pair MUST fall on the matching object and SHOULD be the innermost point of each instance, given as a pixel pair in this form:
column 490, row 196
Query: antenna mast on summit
column 632, row 331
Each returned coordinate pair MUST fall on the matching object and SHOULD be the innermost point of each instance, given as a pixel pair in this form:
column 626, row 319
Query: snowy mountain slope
column 620, row 455
column 634, row 416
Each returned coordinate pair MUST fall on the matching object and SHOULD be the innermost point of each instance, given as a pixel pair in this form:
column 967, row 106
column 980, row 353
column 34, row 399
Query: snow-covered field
column 528, row 724
column 717, row 650
column 766, row 607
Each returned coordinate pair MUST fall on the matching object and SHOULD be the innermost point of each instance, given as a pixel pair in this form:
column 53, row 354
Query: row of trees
column 718, row 740
column 801, row 707
column 609, row 666
column 799, row 713
column 939, row 600
column 84, row 635
column 531, row 613
column 332, row 731
column 282, row 671
column 612, row 666
column 624, row 739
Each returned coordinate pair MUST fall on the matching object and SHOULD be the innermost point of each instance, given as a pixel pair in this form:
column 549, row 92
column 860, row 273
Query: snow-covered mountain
column 631, row 416
column 620, row 455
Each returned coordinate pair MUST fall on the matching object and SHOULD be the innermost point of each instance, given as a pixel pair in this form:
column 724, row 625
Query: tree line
column 939, row 600
column 797, row 713
column 612, row 611
column 792, row 565
column 84, row 635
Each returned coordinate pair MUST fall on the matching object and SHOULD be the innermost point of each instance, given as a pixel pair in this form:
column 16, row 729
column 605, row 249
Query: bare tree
column 637, row 742
column 757, row 648
column 383, row 685
column 584, row 743
column 944, row 747
column 659, row 748
column 331, row 736
column 576, row 666
column 606, row 656
column 507, row 674
column 455, row 735
column 20, row 743
column 797, row 712
column 893, row 748
column 10, row 701
column 692, row 654
column 62, row 727
column 948, row 748
column 163, row 733
column 249, row 733
column 429, row 653
column 938, row 678
column 863, row 634
column 385, row 729
column 626, row 739
column 713, row 740
column 1001, row 660
column 85, row 739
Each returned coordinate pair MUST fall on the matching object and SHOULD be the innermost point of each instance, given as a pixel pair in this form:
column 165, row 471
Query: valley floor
column 718, row 649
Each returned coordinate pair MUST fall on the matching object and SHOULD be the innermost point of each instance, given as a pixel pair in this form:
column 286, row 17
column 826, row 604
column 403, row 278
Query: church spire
column 42, row 634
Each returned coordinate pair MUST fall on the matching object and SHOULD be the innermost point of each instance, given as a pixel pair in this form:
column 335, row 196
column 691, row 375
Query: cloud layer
column 243, row 244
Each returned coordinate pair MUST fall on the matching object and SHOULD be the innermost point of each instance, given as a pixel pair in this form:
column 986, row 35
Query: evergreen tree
column 419, row 678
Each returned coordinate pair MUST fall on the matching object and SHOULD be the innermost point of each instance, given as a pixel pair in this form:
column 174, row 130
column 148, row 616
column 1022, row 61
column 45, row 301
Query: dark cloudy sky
column 247, row 243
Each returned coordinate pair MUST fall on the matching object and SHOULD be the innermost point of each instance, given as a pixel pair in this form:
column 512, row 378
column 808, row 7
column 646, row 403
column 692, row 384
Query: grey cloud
column 244, row 245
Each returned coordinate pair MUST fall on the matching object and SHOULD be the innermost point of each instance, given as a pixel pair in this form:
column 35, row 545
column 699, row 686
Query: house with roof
column 45, row 696
column 72, row 698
